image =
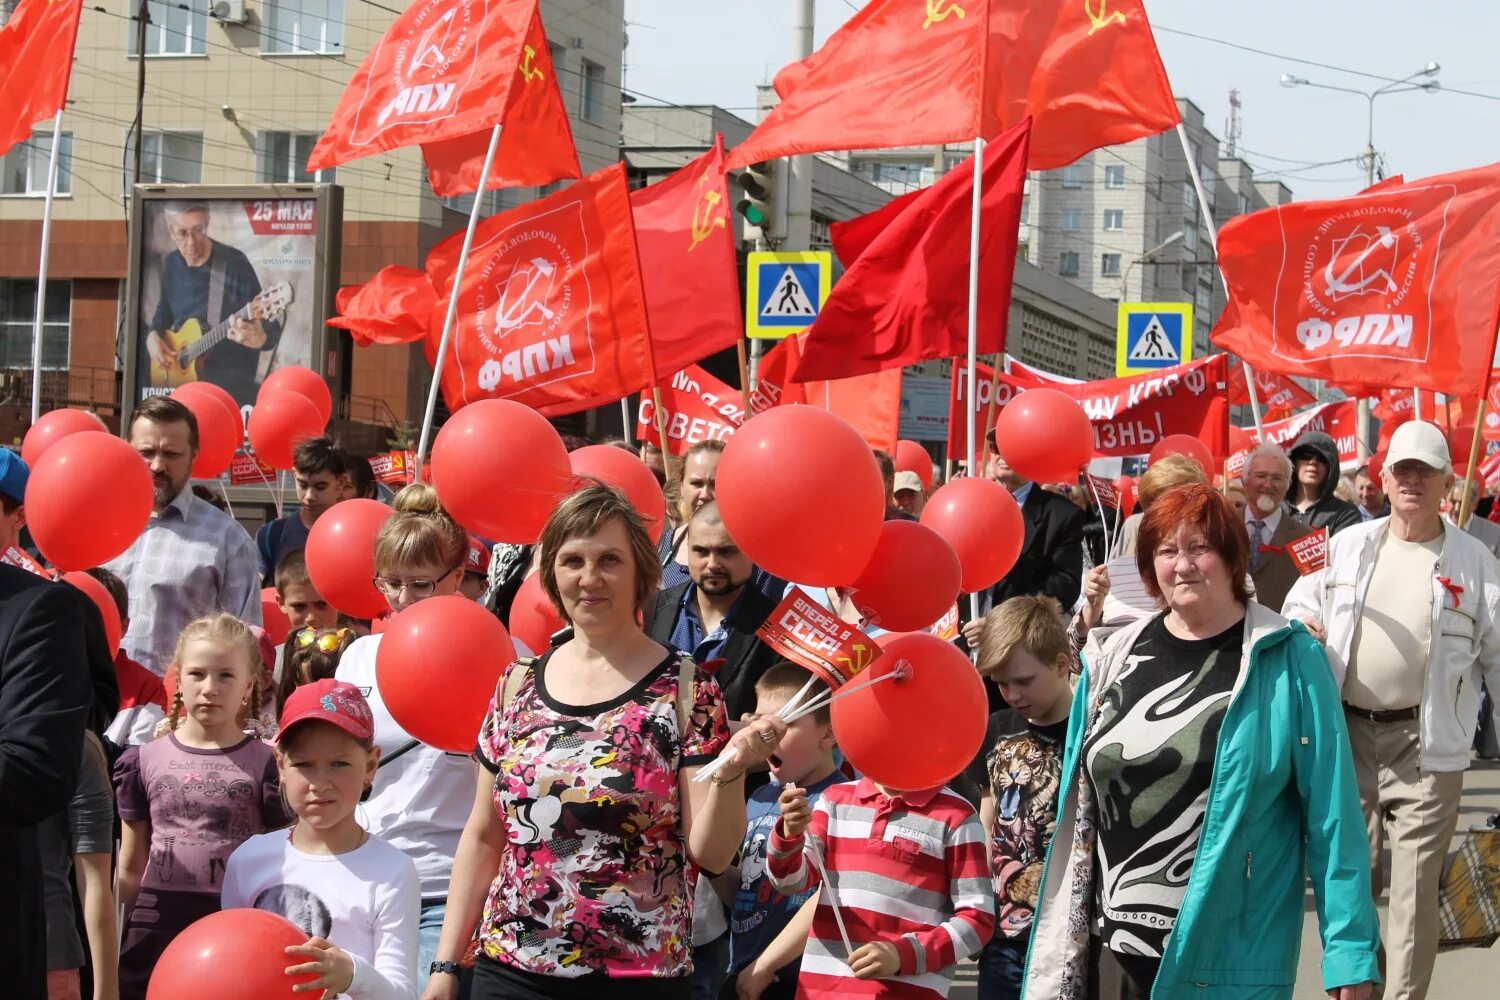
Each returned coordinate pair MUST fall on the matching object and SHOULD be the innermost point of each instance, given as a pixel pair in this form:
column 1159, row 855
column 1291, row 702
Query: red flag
column 551, row 312
column 850, row 237
column 394, row 307
column 36, row 60
column 695, row 407
column 1277, row 393
column 870, row 403
column 687, row 248
column 1399, row 286
column 536, row 140
column 1337, row 420
column 951, row 70
column 906, row 297
column 443, row 75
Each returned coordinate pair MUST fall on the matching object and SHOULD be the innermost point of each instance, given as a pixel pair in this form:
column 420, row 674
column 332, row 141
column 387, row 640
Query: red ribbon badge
column 1453, row 589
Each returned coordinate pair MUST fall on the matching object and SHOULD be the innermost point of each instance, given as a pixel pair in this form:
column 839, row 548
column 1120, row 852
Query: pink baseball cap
column 479, row 557
column 337, row 703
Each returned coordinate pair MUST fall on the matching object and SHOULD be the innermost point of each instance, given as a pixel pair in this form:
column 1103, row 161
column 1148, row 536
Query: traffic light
column 761, row 183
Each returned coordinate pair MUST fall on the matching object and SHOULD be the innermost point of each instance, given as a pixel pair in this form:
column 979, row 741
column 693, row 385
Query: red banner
column 1337, row 420
column 1277, row 393
column 18, row 558
column 394, row 468
column 1310, row 551
column 1130, row 415
column 805, row 632
column 696, row 407
column 247, row 469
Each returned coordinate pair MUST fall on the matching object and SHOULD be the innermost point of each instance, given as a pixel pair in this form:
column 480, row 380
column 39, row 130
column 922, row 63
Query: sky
column 717, row 51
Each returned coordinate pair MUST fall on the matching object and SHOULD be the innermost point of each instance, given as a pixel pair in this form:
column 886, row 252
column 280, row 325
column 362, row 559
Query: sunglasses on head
column 329, row 641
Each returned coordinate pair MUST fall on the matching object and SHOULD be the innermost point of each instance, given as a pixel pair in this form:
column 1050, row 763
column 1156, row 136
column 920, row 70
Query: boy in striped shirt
column 909, row 873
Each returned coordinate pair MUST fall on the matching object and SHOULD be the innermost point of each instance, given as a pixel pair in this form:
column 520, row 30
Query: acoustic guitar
column 191, row 342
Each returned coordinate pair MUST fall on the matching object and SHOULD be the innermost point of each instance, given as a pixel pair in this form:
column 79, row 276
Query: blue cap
column 13, row 475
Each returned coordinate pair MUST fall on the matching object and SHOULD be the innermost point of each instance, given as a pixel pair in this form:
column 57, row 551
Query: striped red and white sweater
column 909, row 869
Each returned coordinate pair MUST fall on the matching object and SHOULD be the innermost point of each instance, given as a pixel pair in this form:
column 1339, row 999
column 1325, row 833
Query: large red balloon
column 87, row 499
column 279, row 422
column 1045, row 436
column 51, row 427
column 533, row 619
column 341, row 556
column 1187, row 446
column 230, row 955
column 217, row 440
column 619, row 468
column 304, row 382
column 911, row 580
column 277, row 625
column 920, row 730
column 801, row 494
column 982, row 521
column 500, row 469
column 108, row 610
column 443, row 644
column 222, row 395
column 912, row 457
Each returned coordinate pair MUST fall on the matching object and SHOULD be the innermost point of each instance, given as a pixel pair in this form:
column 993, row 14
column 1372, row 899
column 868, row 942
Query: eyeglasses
column 327, row 641
column 420, row 589
column 1269, row 477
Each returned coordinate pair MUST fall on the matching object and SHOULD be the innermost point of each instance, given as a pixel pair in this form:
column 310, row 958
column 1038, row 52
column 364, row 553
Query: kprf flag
column 906, row 296
column 1088, row 73
column 687, row 248
column 551, row 311
column 695, row 407
column 1276, row 393
column 443, row 75
column 396, row 306
column 1398, row 286
column 36, row 60
column 869, row 403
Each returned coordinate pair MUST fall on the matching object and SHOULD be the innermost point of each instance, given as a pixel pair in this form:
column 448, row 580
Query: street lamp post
column 1125, row 278
column 1430, row 85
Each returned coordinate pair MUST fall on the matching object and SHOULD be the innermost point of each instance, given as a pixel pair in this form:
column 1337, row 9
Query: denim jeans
column 430, row 928
column 1002, row 968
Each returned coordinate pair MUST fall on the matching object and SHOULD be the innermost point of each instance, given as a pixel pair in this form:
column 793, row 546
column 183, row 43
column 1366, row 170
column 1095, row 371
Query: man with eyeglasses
column 1270, row 524
column 1407, row 609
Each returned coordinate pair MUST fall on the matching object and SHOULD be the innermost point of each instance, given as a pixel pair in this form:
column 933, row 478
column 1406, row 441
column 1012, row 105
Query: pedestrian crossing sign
column 785, row 291
column 1151, row 336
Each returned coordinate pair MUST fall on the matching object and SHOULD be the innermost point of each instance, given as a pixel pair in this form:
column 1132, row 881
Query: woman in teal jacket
column 1207, row 773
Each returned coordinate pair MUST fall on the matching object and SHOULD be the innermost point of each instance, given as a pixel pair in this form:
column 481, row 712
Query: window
column 1114, row 177
column 1190, row 236
column 311, row 26
column 171, row 158
column 591, row 92
column 1244, row 204
column 18, row 313
column 1072, row 175
column 1114, row 219
column 1067, row 264
column 281, row 158
column 914, row 174
column 24, row 169
column 1109, row 265
column 1072, row 219
column 174, row 30
column 556, row 52
column 1189, row 197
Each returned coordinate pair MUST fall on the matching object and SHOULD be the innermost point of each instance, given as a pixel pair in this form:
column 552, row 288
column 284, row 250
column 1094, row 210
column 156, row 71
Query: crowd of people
column 1187, row 729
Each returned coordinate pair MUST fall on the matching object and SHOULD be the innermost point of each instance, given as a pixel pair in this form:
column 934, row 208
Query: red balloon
column 88, row 499
column 341, row 556
column 912, row 457
column 302, row 381
column 1185, row 445
column 217, row 440
column 222, row 395
column 982, row 521
column 279, row 422
column 1045, row 436
column 448, row 644
column 619, row 468
column 500, row 469
column 1125, row 486
column 277, row 625
column 230, row 955
column 533, row 619
column 912, row 578
column 53, row 426
column 917, row 731
column 108, row 610
column 802, row 496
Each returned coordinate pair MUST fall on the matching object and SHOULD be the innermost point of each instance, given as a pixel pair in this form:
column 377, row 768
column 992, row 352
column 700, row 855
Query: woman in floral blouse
column 585, row 804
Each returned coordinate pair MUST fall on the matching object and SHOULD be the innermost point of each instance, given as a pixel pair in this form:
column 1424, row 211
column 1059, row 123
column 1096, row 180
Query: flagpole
column 625, row 420
column 1466, row 508
column 1416, row 402
column 993, row 408
column 1213, row 239
column 974, row 320
column 744, row 375
column 452, row 316
column 41, row 271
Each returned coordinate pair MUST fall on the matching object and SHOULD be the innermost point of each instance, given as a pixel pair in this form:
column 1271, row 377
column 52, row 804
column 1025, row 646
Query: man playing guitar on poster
column 209, row 282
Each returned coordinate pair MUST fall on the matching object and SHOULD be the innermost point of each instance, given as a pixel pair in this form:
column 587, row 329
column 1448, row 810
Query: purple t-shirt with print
column 201, row 805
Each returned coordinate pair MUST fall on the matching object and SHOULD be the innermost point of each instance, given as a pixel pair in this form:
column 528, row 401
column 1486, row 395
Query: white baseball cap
column 1419, row 441
column 907, row 480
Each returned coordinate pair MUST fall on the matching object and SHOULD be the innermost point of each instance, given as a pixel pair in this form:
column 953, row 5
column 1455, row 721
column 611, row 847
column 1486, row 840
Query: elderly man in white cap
column 908, row 492
column 1409, row 609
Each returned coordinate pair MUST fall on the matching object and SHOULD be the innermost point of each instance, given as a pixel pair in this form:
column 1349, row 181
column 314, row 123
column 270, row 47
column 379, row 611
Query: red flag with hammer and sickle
column 36, row 60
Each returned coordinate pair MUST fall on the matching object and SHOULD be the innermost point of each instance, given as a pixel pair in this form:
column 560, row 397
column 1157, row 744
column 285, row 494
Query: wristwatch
column 452, row 968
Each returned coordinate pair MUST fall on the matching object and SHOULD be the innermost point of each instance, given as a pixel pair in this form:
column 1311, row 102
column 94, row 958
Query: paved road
column 1470, row 974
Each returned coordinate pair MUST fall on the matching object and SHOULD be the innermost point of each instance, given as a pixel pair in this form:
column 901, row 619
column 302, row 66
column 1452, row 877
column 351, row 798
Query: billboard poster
column 227, row 285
